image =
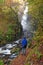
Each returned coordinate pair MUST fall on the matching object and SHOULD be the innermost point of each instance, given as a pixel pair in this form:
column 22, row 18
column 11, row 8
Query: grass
column 1, row 62
column 33, row 51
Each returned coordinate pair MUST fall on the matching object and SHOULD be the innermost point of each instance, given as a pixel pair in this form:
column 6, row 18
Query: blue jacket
column 23, row 42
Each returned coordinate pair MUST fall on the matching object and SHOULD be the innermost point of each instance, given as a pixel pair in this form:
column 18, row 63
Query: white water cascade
column 25, row 22
column 26, row 25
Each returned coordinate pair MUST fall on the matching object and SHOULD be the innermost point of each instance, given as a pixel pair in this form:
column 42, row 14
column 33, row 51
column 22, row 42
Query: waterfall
column 24, row 19
column 25, row 22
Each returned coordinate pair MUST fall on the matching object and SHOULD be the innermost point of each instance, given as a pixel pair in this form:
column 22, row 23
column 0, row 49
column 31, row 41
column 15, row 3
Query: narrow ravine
column 26, row 25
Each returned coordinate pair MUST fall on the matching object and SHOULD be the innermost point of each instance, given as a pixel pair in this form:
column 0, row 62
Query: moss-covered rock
column 10, row 28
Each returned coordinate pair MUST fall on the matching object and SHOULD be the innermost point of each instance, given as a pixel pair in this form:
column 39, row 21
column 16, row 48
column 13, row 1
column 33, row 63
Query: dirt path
column 20, row 60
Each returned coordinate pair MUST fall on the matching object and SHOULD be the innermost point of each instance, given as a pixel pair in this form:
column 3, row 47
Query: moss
column 15, row 50
column 9, row 28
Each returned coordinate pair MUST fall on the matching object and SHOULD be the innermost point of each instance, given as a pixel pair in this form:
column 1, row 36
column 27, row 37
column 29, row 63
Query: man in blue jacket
column 24, row 45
